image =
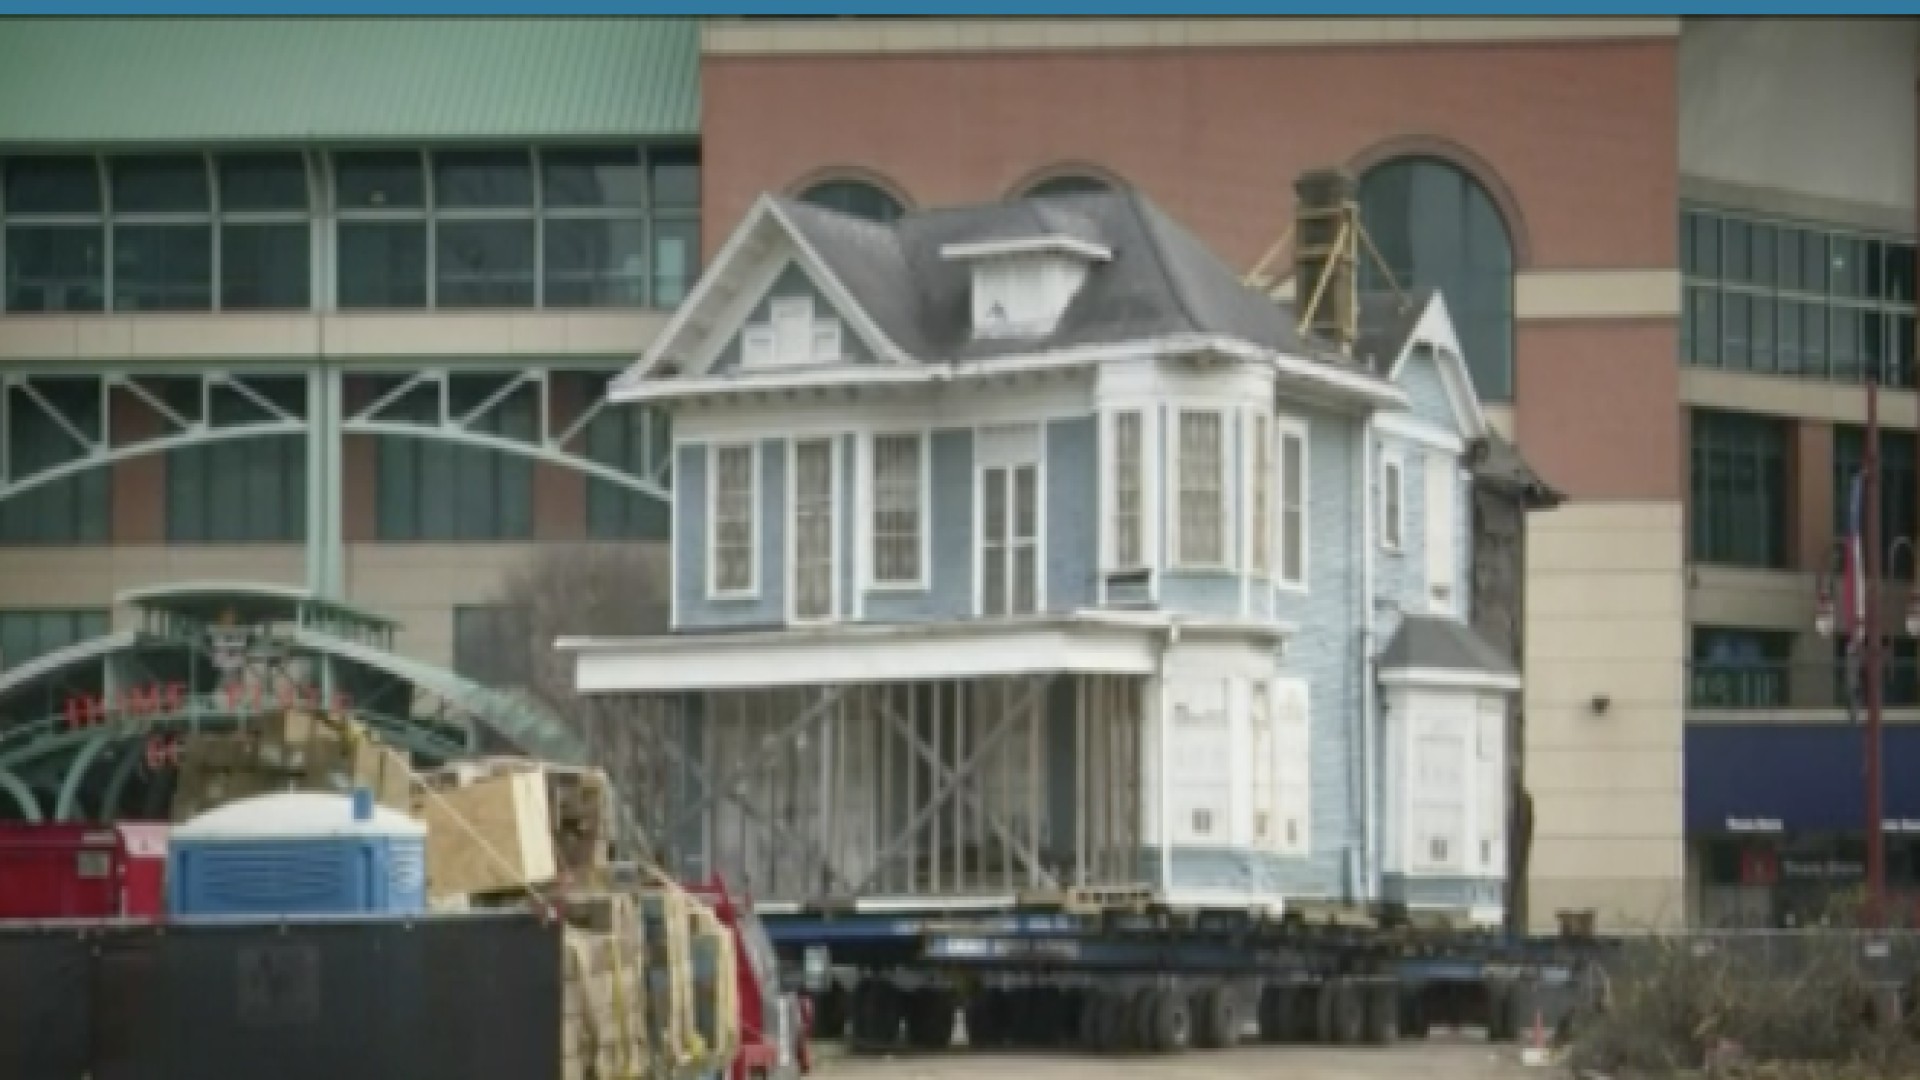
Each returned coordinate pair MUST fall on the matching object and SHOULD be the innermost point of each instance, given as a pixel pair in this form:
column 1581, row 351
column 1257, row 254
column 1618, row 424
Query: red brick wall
column 1584, row 135
column 1577, row 140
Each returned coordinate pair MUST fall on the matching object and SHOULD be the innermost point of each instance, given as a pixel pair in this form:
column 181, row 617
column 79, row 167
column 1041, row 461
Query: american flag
column 1853, row 591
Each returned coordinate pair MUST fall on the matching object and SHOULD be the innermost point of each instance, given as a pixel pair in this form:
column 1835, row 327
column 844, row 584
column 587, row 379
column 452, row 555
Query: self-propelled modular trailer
column 1145, row 978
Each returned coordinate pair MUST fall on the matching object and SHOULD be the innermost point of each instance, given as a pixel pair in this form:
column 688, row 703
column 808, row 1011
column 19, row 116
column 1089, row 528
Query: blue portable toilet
column 298, row 853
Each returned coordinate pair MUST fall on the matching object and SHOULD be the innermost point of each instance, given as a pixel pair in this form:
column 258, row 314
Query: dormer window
column 791, row 336
column 1022, row 286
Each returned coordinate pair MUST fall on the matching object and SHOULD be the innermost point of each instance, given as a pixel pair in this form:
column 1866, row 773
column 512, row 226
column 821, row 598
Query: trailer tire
column 1342, row 1018
column 1170, row 1022
column 876, row 1014
column 1114, row 1013
column 1414, row 1021
column 1382, row 1026
column 930, row 1019
column 984, row 1010
column 1500, row 1006
column 1088, row 1028
column 1276, row 1014
column 1217, row 1018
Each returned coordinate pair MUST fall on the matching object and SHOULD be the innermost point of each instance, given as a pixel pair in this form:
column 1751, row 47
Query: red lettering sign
column 167, row 699
column 163, row 752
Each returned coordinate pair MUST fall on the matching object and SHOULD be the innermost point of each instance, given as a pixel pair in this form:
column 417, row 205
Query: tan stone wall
column 1606, row 619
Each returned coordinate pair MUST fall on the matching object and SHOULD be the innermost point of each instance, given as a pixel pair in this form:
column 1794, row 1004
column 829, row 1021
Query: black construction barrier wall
column 441, row 998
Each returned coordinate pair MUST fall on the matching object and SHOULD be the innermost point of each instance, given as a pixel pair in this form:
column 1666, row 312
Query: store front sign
column 1754, row 825
column 1821, row 869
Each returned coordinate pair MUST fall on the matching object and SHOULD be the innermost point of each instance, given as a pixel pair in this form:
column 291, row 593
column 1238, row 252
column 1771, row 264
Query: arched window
column 1068, row 184
column 1437, row 228
column 855, row 197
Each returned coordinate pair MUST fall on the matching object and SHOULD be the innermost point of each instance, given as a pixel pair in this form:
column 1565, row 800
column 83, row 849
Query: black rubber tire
column 1139, row 1022
column 1229, row 1023
column 1325, row 998
column 929, row 1016
column 983, row 1020
column 1172, row 1022
column 1216, row 1014
column 1382, row 1025
column 1070, row 1007
column 876, row 1014
column 1275, row 1013
column 1346, row 1014
column 1414, row 1021
column 1088, row 1029
column 1500, row 1026
column 1114, row 1011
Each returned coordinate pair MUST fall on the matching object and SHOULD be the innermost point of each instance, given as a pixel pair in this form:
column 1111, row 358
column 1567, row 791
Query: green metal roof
column 288, row 80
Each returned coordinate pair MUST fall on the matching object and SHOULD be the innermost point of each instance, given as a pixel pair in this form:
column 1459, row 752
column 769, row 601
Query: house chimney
column 1326, row 235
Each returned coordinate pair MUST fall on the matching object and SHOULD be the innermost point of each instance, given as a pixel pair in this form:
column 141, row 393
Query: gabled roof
column 1160, row 282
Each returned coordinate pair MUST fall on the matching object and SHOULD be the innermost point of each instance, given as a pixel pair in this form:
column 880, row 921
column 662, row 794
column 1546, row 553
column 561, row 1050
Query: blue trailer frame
column 924, row 961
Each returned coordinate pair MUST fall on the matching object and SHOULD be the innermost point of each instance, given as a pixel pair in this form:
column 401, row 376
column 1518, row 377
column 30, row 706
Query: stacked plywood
column 650, row 987
column 291, row 750
column 604, row 1033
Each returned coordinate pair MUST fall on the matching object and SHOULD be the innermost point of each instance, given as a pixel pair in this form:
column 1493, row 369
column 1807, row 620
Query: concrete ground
column 1443, row 1057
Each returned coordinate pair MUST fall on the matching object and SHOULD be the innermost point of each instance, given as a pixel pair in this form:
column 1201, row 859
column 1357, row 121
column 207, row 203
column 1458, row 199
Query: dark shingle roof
column 1428, row 643
column 1161, row 280
column 1497, row 464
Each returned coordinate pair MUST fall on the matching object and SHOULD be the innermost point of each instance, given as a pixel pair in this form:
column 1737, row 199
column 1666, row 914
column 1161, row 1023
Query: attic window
column 1022, row 286
column 791, row 336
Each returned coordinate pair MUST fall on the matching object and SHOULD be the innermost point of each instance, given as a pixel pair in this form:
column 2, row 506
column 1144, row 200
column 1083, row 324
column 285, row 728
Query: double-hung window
column 1129, row 504
column 1202, row 504
column 732, row 558
column 1009, row 479
column 1293, row 505
column 812, row 513
column 899, row 516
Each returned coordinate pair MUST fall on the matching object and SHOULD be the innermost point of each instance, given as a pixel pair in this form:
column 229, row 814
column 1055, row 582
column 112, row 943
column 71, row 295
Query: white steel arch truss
column 99, row 418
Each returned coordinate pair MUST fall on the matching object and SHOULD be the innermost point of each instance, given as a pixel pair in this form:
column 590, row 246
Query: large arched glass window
column 1068, row 184
column 855, row 197
column 1437, row 228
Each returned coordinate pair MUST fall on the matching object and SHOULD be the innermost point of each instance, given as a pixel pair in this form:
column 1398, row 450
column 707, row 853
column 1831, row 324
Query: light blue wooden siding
column 692, row 607
column 950, row 595
column 1072, row 530
column 791, row 281
column 1426, row 393
column 1400, row 578
column 1326, row 651
column 1463, row 546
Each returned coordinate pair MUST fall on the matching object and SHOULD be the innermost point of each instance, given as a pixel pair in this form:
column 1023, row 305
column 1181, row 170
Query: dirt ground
column 1440, row 1058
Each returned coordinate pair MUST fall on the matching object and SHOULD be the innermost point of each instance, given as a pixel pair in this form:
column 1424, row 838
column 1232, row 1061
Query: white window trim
column 756, row 502
column 1283, row 428
column 870, row 505
column 982, row 461
column 835, row 530
column 1175, row 471
column 1251, row 422
column 1393, row 477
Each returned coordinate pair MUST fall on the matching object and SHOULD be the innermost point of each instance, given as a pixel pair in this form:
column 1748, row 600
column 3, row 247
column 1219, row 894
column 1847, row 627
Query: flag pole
column 1876, row 818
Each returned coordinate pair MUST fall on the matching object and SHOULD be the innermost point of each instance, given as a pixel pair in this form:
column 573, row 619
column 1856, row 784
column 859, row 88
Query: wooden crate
column 491, row 835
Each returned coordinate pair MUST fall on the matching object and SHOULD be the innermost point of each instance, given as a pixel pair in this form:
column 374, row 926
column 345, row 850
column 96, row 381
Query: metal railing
column 1783, row 685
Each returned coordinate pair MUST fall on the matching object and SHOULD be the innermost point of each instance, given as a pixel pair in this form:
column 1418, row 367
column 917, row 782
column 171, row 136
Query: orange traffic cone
column 1537, row 1052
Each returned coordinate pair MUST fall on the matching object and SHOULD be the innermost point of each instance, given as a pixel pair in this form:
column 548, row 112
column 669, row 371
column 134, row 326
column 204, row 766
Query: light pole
column 1869, row 654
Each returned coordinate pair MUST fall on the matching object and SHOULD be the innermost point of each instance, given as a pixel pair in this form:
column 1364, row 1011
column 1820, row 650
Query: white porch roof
column 1089, row 643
